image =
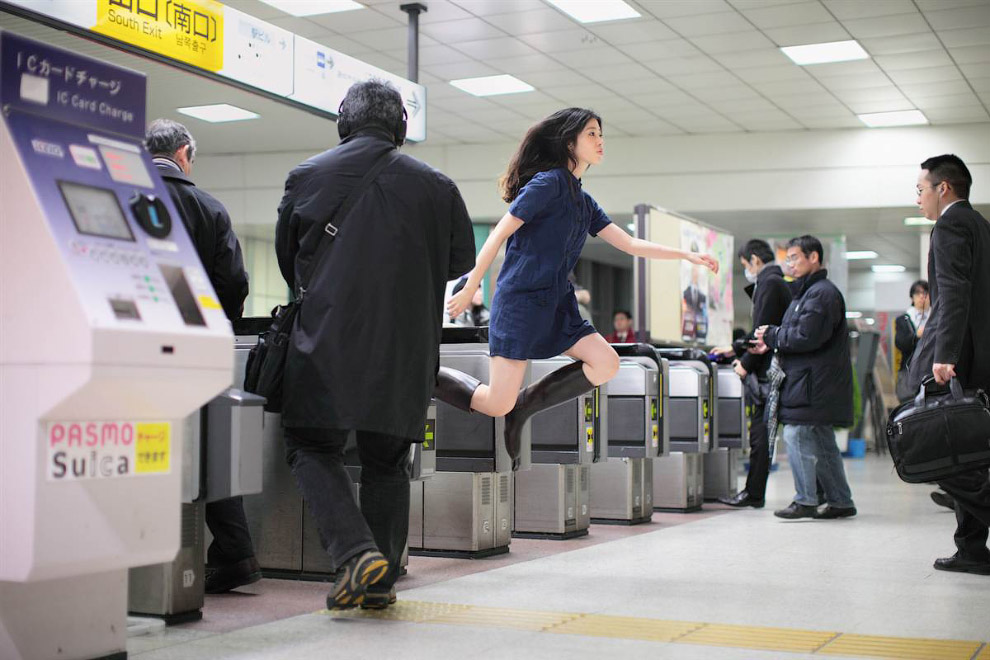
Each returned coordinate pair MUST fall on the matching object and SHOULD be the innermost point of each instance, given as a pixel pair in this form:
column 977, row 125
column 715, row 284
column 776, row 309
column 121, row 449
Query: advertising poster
column 694, row 287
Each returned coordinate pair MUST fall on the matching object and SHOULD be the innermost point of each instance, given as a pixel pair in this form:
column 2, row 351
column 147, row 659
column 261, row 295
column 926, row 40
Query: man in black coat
column 812, row 341
column 956, row 341
column 230, row 559
column 771, row 296
column 364, row 352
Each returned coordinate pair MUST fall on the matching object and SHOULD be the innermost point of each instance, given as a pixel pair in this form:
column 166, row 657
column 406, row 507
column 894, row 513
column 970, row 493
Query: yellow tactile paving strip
column 679, row 632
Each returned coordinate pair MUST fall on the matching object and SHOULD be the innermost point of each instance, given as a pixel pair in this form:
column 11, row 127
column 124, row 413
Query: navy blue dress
column 534, row 313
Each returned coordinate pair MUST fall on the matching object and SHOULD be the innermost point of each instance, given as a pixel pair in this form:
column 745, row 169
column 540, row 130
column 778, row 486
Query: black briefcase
column 937, row 436
column 266, row 361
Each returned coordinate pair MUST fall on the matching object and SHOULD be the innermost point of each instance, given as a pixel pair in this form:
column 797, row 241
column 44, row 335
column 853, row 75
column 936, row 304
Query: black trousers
column 231, row 538
column 971, row 491
column 316, row 457
column 759, row 455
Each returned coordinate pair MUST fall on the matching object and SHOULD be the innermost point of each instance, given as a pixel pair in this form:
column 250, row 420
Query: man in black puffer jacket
column 812, row 341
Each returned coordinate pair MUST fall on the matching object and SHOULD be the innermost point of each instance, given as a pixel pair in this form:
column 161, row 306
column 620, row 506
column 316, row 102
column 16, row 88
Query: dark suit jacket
column 958, row 331
column 905, row 338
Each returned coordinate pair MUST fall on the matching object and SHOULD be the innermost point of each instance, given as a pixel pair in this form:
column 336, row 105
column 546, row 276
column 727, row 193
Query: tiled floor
column 871, row 575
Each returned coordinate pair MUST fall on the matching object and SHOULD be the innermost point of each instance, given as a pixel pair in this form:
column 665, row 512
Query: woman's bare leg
column 601, row 362
column 499, row 396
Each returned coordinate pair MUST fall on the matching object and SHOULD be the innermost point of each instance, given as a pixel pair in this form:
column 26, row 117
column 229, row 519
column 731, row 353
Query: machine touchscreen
column 95, row 211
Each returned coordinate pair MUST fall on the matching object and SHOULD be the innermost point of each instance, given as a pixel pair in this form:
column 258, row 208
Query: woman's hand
column 705, row 260
column 460, row 301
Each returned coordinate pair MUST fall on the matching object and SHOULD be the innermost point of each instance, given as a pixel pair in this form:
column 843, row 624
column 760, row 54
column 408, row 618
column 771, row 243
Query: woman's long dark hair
column 547, row 145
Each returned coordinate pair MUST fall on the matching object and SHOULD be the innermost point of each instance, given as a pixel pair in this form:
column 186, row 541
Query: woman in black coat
column 908, row 329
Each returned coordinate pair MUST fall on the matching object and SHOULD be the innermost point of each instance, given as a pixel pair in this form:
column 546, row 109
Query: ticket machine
column 722, row 464
column 466, row 507
column 679, row 477
column 111, row 336
column 553, row 497
column 622, row 487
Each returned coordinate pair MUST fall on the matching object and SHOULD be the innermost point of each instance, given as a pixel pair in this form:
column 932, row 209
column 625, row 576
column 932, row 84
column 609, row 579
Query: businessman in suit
column 956, row 341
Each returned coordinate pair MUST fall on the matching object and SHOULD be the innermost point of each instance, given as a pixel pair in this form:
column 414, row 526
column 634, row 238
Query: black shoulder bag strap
column 332, row 227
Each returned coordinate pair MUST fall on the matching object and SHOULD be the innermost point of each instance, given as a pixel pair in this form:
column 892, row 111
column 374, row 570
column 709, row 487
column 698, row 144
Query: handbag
column 934, row 437
column 265, row 367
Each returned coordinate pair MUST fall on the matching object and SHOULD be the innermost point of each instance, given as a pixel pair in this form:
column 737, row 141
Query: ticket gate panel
column 617, row 492
column 583, row 507
column 504, row 514
column 733, row 420
column 721, row 473
column 678, row 482
column 547, row 502
column 459, row 513
column 690, row 409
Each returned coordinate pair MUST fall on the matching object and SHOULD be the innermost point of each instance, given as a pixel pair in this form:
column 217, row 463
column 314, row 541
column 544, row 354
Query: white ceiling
column 685, row 66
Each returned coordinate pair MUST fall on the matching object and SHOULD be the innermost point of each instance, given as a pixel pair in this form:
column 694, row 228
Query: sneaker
column 832, row 512
column 354, row 578
column 378, row 600
column 943, row 499
column 221, row 579
column 795, row 511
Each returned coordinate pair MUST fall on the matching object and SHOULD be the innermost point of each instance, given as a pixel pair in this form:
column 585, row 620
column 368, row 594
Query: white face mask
column 750, row 277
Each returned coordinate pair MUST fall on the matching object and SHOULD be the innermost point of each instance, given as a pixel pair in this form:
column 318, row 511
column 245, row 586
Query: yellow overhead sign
column 189, row 31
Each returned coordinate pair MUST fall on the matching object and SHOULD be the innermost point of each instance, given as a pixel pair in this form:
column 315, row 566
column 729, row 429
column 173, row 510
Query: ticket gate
column 286, row 540
column 226, row 464
column 552, row 498
column 466, row 507
column 116, row 338
column 722, row 465
column 679, row 477
column 622, row 487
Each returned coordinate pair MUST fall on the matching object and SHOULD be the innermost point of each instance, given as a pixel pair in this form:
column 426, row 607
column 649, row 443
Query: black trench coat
column 365, row 349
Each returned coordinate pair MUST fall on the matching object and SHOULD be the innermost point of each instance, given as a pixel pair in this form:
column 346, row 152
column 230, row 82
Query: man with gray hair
column 364, row 351
column 230, row 559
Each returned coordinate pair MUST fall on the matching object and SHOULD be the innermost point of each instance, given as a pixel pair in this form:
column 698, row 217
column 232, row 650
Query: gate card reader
column 467, row 504
column 722, row 466
column 552, row 498
column 124, row 339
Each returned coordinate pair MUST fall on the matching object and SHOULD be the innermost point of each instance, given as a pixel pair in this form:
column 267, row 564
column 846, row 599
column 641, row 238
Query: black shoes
column 795, row 511
column 943, row 499
column 555, row 388
column 354, row 578
column 832, row 512
column 957, row 564
column 741, row 500
column 221, row 579
column 456, row 388
column 378, row 600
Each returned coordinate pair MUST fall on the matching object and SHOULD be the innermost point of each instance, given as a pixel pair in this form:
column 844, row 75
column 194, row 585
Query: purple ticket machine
column 110, row 334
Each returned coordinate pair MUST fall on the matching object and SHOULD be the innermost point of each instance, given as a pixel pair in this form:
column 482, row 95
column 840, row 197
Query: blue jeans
column 813, row 455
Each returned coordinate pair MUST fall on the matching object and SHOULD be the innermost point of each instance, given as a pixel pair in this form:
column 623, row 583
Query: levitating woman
column 534, row 313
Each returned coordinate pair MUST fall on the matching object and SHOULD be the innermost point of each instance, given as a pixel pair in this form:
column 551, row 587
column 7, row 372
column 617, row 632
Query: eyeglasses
column 919, row 189
column 792, row 258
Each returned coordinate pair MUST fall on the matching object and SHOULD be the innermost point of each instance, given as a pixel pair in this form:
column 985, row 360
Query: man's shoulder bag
column 934, row 437
column 903, row 388
column 266, row 360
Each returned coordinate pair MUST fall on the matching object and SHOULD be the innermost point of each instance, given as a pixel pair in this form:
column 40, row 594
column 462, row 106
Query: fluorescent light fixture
column 854, row 315
column 218, row 113
column 860, row 254
column 313, row 7
column 918, row 222
column 595, row 11
column 870, row 321
column 492, row 85
column 888, row 268
column 899, row 118
column 832, row 51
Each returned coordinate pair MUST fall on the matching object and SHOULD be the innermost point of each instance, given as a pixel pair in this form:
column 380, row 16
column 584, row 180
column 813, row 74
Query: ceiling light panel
column 598, row 11
column 218, row 113
column 314, row 7
column 492, row 85
column 833, row 51
column 856, row 255
column 899, row 118
column 888, row 268
column 918, row 222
